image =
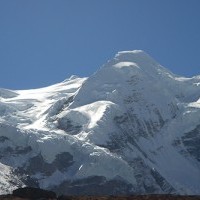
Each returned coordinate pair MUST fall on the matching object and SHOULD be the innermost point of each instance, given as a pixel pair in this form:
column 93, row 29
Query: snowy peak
column 127, row 71
column 136, row 60
column 132, row 127
column 138, row 56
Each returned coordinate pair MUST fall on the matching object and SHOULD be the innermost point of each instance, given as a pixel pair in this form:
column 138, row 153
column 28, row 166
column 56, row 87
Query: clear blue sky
column 45, row 41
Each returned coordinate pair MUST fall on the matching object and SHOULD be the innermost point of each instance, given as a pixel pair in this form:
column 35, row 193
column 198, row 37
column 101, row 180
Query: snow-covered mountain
column 131, row 128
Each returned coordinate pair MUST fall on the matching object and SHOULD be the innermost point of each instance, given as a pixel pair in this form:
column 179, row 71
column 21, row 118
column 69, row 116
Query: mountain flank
column 131, row 128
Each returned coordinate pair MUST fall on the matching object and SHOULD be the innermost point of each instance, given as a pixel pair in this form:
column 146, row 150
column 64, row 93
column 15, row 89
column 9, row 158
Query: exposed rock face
column 94, row 186
column 131, row 128
column 34, row 193
column 29, row 193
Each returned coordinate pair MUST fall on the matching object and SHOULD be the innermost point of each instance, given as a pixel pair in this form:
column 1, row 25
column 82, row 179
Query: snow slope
column 132, row 127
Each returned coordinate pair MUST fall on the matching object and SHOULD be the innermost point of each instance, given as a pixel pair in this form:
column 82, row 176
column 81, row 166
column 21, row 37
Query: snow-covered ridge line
column 122, row 125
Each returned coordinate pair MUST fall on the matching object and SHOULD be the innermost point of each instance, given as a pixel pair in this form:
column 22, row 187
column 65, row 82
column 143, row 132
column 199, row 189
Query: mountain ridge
column 113, row 133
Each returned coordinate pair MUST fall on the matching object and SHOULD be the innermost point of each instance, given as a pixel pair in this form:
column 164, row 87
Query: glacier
column 133, row 127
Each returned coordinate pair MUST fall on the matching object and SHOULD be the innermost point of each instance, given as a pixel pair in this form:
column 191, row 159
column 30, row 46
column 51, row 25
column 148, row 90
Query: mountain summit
column 133, row 127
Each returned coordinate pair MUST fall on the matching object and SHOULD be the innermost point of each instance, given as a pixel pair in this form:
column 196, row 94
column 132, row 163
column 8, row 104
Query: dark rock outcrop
column 34, row 193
